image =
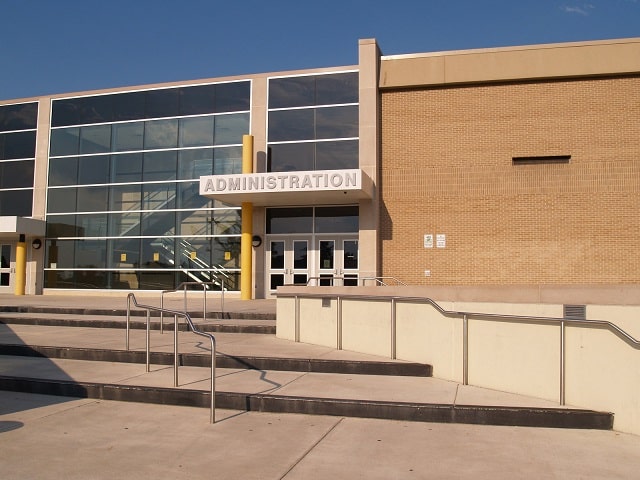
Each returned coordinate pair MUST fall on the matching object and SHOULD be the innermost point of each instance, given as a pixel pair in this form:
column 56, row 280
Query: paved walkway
column 55, row 437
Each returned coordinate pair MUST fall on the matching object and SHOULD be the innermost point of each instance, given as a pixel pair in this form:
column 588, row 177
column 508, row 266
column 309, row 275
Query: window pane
column 232, row 97
column 277, row 254
column 226, row 222
column 16, row 203
column 162, row 103
column 226, row 252
column 161, row 134
column 160, row 166
column 189, row 196
column 337, row 155
column 300, row 254
column 337, row 122
column 96, row 109
column 127, row 167
column 92, row 199
column 192, row 164
column 63, row 171
column 337, row 219
column 229, row 129
column 196, row 132
column 21, row 116
column 61, row 200
column 124, row 253
column 60, row 253
column 197, row 100
column 19, row 145
column 65, row 141
column 290, row 125
column 194, row 253
column 16, row 174
column 337, row 88
column 127, row 136
column 93, row 169
column 125, row 197
column 159, row 224
column 157, row 253
column 290, row 220
column 95, row 139
column 289, row 157
column 158, row 196
column 91, row 279
column 291, row 92
column 91, row 254
column 61, row 226
column 227, row 160
column 156, row 280
column 128, row 106
column 194, row 222
column 92, row 225
column 124, row 224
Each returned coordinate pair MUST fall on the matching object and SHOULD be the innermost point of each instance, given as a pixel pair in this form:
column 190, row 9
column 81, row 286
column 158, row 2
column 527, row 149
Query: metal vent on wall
column 575, row 312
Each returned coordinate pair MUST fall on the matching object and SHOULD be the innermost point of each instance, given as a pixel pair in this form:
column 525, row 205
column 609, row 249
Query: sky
column 61, row 46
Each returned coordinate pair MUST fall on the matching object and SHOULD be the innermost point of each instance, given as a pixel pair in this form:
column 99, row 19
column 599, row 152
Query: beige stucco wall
column 522, row 356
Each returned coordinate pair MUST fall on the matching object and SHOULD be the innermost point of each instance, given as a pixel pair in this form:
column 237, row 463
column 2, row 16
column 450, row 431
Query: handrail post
column 162, row 313
column 562, row 362
column 222, row 296
column 185, row 297
column 465, row 350
column 128, row 321
column 148, row 342
column 339, row 323
column 393, row 328
column 297, row 319
column 212, row 408
column 204, row 306
column 175, row 350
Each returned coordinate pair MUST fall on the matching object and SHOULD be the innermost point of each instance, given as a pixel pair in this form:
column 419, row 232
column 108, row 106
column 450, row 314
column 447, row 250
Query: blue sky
column 58, row 46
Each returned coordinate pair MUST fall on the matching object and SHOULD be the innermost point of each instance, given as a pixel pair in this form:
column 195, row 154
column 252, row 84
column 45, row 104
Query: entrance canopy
column 11, row 227
column 289, row 188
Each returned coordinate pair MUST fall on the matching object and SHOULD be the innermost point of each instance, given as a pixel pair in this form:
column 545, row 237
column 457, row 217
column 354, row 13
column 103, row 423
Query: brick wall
column 447, row 169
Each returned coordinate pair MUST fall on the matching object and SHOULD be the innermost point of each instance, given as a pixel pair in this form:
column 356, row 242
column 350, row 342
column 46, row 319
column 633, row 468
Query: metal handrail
column 362, row 280
column 176, row 314
column 381, row 281
column 183, row 286
column 496, row 317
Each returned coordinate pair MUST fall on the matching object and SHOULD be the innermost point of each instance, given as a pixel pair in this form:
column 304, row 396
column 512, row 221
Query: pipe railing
column 378, row 281
column 465, row 316
column 183, row 286
column 131, row 297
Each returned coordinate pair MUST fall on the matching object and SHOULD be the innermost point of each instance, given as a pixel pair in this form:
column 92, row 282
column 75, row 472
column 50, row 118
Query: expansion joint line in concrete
column 310, row 449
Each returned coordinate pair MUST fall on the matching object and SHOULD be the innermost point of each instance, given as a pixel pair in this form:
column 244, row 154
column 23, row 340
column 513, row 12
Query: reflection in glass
column 350, row 254
column 197, row 100
column 92, row 199
column 157, row 252
column 277, row 254
column 337, row 219
column 232, row 96
column 125, row 253
column 59, row 253
column 161, row 134
column 90, row 254
column 158, row 196
column 94, row 225
column 300, row 254
column 125, row 198
column 196, row 132
column 61, row 200
column 291, row 92
column 126, row 167
column 337, row 88
column 288, row 125
column 162, row 103
column 290, row 157
column 290, row 220
column 337, row 122
column 159, row 166
column 65, row 141
column 128, row 106
column 20, row 116
column 189, row 196
column 194, row 223
column 61, row 226
column 337, row 155
column 227, row 160
column 18, row 145
column 229, row 129
column 94, row 169
column 16, row 174
column 194, row 253
column 127, row 136
column 192, row 164
column 226, row 252
column 226, row 221
column 95, row 139
column 63, row 171
column 327, row 250
column 160, row 224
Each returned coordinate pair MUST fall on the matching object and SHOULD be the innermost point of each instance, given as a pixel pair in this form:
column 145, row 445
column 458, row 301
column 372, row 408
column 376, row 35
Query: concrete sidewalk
column 55, row 437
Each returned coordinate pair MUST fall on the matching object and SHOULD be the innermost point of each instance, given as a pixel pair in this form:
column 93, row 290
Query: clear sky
column 59, row 46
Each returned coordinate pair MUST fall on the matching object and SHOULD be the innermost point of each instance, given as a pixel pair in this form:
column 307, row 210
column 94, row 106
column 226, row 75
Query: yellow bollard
column 21, row 266
column 246, row 250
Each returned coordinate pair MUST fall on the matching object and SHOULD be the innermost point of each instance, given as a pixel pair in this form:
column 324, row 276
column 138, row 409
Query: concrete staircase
column 79, row 352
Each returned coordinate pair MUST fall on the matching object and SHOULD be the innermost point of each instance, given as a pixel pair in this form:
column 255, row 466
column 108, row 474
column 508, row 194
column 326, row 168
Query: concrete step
column 420, row 399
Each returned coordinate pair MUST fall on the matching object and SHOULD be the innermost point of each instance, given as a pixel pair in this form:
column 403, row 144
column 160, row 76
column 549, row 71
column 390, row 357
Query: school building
column 515, row 168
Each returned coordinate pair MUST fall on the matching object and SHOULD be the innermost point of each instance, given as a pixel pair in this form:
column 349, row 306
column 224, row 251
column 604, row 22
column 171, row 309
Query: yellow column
column 21, row 266
column 246, row 250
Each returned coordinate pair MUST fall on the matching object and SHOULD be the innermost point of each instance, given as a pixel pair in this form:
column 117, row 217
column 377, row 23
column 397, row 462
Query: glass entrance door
column 337, row 261
column 6, row 270
column 288, row 262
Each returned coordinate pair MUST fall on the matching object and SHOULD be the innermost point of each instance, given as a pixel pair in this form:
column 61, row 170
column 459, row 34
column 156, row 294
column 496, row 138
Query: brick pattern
column 447, row 169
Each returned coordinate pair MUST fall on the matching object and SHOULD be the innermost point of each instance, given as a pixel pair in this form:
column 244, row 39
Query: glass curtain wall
column 123, row 203
column 313, row 122
column 18, row 123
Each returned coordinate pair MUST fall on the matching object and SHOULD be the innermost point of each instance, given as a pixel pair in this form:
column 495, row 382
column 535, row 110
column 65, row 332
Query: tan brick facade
column 447, row 168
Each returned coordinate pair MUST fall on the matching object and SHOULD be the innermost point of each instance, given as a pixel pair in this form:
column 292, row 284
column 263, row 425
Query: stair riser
column 529, row 417
column 223, row 361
